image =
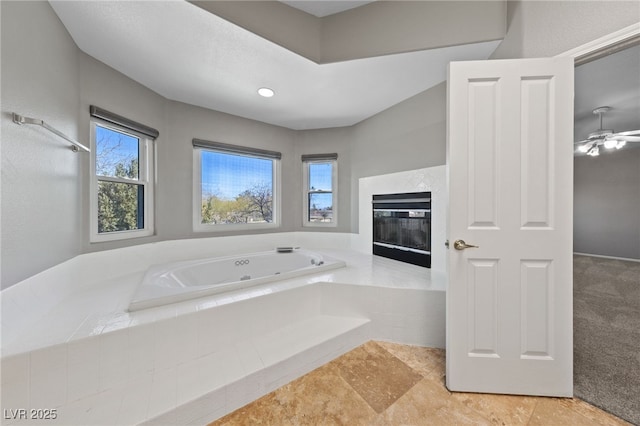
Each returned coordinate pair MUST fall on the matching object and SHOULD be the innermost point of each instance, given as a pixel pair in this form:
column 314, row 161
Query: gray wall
column 412, row 134
column 291, row 28
column 375, row 29
column 45, row 192
column 606, row 204
column 388, row 27
column 178, row 124
column 44, row 185
column 407, row 136
column 102, row 86
column 324, row 141
column 41, row 198
column 175, row 184
column 548, row 28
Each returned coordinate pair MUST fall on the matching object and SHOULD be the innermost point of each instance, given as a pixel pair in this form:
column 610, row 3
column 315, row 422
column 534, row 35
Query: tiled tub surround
column 69, row 344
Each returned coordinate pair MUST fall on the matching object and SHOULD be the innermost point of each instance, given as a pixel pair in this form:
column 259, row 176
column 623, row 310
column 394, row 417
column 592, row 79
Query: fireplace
column 402, row 227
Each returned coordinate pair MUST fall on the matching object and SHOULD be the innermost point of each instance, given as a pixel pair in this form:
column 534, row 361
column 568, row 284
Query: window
column 320, row 185
column 234, row 187
column 121, row 179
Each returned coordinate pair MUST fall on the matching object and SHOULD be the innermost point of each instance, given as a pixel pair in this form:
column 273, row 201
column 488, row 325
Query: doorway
column 607, row 234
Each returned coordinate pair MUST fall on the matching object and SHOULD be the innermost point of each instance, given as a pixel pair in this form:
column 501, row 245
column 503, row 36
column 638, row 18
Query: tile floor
column 381, row 383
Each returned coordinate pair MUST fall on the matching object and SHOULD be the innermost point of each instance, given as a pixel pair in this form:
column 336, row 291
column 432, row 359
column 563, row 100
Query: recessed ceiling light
column 266, row 92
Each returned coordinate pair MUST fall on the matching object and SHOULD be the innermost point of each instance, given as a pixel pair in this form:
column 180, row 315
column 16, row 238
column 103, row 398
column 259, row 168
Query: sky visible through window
column 228, row 175
column 113, row 148
column 320, row 178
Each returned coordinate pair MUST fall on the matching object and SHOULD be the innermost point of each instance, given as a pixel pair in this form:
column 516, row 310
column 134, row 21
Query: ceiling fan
column 605, row 137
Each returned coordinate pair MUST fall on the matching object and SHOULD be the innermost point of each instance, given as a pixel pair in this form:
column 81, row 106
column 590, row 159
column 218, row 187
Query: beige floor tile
column 499, row 409
column 428, row 403
column 318, row 398
column 387, row 384
column 425, row 361
column 376, row 375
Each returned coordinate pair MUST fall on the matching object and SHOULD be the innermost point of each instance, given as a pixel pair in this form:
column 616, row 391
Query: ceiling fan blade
column 584, row 141
column 627, row 133
column 627, row 138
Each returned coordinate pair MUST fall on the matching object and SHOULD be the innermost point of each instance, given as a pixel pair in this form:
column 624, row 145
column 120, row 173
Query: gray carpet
column 607, row 335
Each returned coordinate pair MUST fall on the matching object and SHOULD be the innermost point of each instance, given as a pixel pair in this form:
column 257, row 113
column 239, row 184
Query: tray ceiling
column 190, row 55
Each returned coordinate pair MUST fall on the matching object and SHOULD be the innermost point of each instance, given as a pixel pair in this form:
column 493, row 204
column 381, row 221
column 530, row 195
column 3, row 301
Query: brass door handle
column 461, row 245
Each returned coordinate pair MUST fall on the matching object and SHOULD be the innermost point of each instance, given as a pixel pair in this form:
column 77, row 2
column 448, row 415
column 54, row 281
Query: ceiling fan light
column 584, row 148
column 594, row 151
column 620, row 144
column 610, row 143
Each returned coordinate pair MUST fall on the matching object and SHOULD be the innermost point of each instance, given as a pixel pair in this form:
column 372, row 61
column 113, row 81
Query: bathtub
column 68, row 324
column 179, row 281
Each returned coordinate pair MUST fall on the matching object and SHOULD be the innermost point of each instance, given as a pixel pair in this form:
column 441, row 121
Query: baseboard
column 608, row 257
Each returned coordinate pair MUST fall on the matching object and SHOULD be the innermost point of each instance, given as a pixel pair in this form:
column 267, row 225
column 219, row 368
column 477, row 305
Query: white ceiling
column 324, row 8
column 187, row 54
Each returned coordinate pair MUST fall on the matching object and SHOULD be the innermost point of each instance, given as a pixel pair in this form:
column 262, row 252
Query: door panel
column 483, row 147
column 483, row 315
column 537, row 145
column 537, row 309
column 510, row 157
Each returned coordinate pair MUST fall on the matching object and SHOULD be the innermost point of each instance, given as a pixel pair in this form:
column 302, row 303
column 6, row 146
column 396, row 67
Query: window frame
column 198, row 226
column 146, row 178
column 306, row 191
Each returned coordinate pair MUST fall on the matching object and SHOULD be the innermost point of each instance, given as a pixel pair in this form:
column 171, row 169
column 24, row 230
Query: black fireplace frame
column 404, row 202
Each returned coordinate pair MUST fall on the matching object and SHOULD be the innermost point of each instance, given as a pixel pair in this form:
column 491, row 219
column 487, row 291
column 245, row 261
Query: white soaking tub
column 178, row 281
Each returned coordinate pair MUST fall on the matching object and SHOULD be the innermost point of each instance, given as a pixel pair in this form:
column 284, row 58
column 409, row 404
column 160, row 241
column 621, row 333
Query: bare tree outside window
column 236, row 189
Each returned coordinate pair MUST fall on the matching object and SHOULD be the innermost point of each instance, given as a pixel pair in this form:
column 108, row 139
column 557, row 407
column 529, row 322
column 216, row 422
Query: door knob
column 461, row 245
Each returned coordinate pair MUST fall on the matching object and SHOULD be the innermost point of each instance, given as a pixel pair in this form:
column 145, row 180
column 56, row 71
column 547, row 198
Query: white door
column 510, row 177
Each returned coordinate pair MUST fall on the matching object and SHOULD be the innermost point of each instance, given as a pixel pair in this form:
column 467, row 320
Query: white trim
column 626, row 259
column 305, row 194
column 196, row 204
column 604, row 41
column 146, row 178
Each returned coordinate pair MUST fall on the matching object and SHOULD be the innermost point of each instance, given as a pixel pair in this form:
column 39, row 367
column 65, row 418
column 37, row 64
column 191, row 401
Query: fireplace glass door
column 408, row 229
column 402, row 227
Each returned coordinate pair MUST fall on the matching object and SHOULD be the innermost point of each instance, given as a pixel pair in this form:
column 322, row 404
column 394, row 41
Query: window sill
column 320, row 224
column 120, row 235
column 233, row 227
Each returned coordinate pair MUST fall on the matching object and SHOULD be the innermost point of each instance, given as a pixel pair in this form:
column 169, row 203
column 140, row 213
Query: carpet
column 606, row 334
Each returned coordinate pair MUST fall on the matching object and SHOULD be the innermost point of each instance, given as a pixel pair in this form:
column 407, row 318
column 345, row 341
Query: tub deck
column 199, row 359
column 103, row 308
